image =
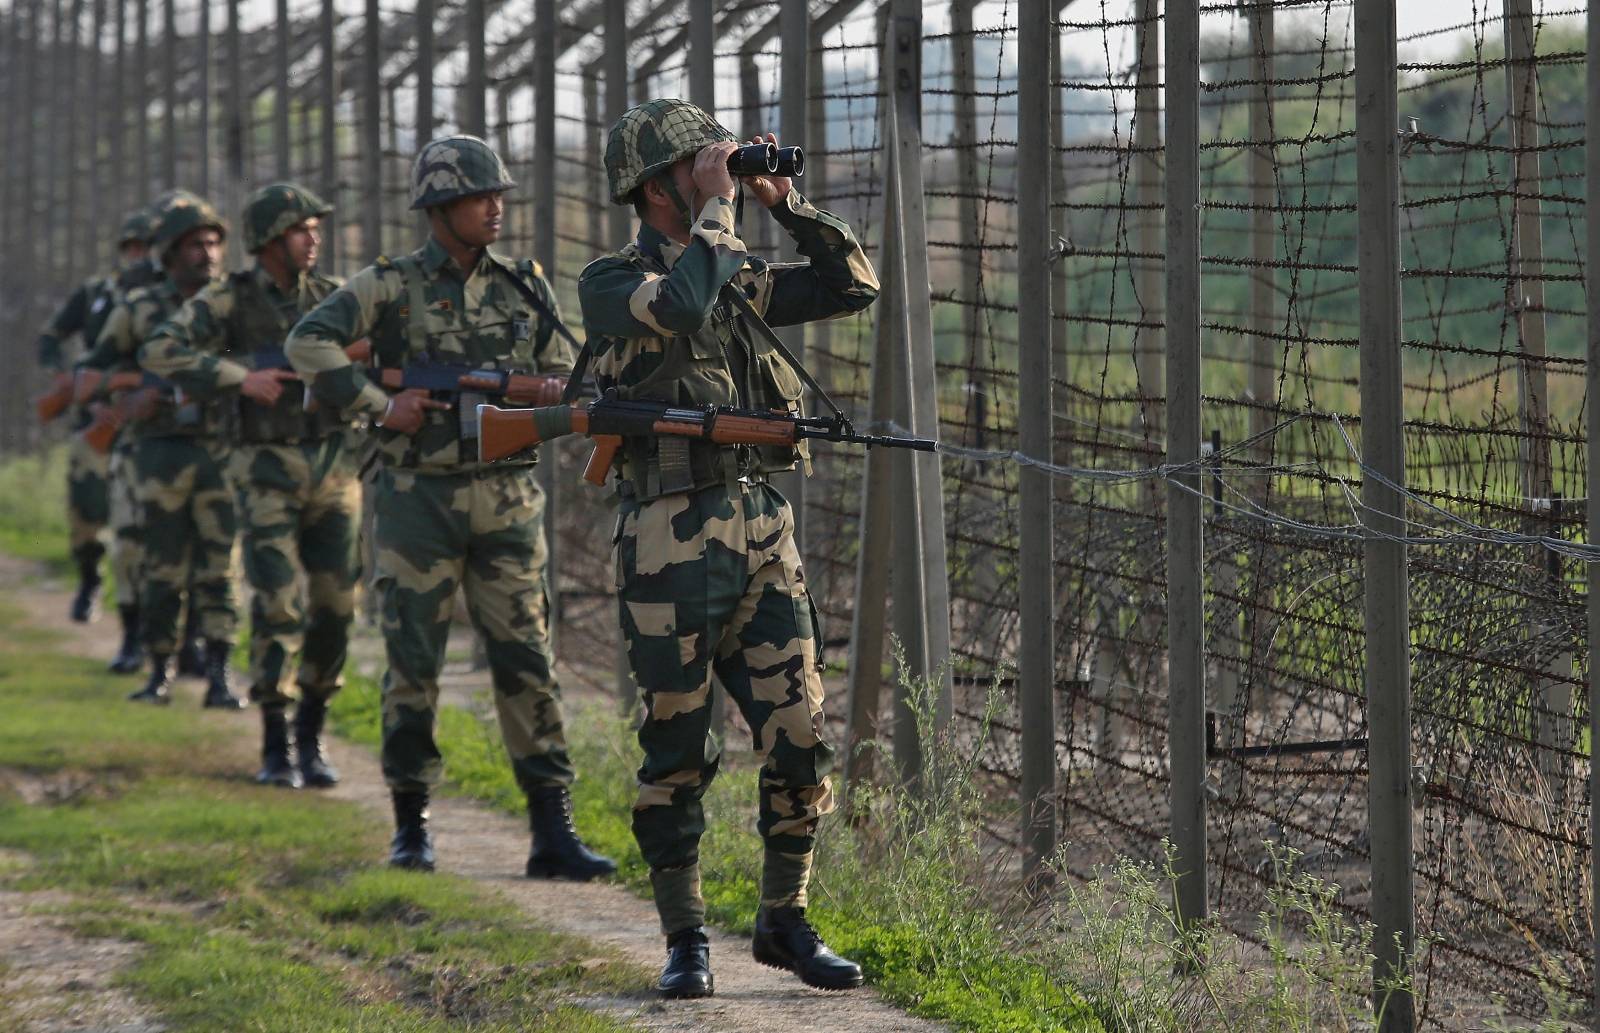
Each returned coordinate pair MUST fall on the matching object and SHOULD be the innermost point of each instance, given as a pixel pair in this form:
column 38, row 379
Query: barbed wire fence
column 1325, row 590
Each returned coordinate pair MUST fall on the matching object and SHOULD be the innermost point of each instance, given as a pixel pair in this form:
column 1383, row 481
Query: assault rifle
column 54, row 402
column 505, row 432
column 277, row 358
column 450, row 378
column 141, row 392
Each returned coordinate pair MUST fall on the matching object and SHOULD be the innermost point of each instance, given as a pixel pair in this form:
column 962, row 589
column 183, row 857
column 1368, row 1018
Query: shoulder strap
column 580, row 365
column 416, row 302
column 736, row 297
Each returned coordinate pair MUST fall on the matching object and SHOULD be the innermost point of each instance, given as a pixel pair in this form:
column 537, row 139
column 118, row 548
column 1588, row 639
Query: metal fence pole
column 1527, row 247
column 1186, row 625
column 57, row 257
column 1147, row 195
column 117, row 116
column 372, row 198
column 965, row 127
column 280, row 94
column 1591, row 372
column 328, row 125
column 816, row 187
column 1386, row 617
column 473, row 117
column 99, row 106
column 703, row 54
column 544, row 251
column 1036, row 676
column 619, row 227
column 923, row 506
column 1263, row 224
column 426, row 116
column 141, row 99
column 169, row 92
column 234, row 141
column 596, row 176
column 876, row 536
column 73, row 131
column 202, row 135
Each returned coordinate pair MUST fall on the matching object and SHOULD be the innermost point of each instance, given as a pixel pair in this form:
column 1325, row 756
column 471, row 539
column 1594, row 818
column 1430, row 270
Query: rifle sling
column 739, row 301
column 580, row 365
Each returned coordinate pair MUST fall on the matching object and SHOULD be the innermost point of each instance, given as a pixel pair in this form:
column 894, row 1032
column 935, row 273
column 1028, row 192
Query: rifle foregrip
column 600, row 461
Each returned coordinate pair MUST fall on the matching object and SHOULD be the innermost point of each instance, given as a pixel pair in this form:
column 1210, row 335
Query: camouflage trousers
column 708, row 581
column 88, row 499
column 127, row 525
column 484, row 533
column 300, row 509
column 189, row 523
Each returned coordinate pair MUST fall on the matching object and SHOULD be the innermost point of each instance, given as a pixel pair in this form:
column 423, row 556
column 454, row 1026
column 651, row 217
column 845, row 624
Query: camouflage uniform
column 296, row 477
column 83, row 315
column 180, row 461
column 708, row 574
column 443, row 519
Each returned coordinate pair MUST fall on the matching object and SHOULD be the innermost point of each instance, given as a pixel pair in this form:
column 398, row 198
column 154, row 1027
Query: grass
column 33, row 507
column 255, row 909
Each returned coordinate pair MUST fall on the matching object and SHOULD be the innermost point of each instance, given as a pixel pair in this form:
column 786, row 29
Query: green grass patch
column 33, row 507
column 256, row 909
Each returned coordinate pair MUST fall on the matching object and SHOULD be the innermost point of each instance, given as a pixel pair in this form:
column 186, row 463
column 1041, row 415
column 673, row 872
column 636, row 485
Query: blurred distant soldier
column 294, row 469
column 83, row 315
column 708, row 573
column 180, row 458
column 445, row 520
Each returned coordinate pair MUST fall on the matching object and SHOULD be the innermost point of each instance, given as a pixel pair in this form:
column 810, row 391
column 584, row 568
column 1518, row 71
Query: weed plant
column 33, row 506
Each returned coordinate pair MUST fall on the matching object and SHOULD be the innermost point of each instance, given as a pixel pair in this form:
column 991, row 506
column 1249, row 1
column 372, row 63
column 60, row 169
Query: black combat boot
column 158, row 688
column 784, row 939
column 688, row 970
column 558, row 853
column 314, row 767
column 83, row 602
column 275, row 767
column 412, row 846
column 130, row 655
column 217, row 693
column 191, row 656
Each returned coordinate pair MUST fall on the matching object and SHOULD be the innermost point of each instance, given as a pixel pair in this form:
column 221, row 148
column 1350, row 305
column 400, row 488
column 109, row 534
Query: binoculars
column 767, row 159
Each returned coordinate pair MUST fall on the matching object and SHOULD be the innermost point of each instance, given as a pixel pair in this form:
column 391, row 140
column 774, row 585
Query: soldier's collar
column 264, row 280
column 434, row 257
column 659, row 246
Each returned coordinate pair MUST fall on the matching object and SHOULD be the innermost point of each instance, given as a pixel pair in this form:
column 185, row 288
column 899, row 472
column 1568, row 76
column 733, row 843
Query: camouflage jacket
column 660, row 329
column 482, row 318
column 86, row 310
column 117, row 349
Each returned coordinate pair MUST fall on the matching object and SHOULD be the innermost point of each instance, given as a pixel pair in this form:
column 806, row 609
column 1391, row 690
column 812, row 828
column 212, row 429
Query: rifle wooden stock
column 505, row 432
column 101, row 433
column 54, row 402
column 360, row 352
column 86, row 384
column 518, row 388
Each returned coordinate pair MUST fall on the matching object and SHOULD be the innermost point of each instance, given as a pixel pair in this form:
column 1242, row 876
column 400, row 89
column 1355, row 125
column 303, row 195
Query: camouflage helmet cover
column 181, row 214
column 275, row 208
column 137, row 226
column 456, row 166
column 649, row 137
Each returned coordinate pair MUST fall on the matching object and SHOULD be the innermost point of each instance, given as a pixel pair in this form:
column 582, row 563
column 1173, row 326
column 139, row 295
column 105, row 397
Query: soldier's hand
column 407, row 409
column 265, row 385
column 711, row 175
column 768, row 190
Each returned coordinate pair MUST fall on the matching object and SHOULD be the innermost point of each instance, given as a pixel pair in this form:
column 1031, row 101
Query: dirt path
column 490, row 848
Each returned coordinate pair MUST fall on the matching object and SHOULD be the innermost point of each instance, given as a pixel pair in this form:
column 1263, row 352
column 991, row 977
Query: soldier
column 443, row 519
column 88, row 472
column 708, row 572
column 295, row 471
column 179, row 457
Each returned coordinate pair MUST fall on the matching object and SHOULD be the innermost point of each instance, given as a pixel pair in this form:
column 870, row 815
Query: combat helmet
column 275, row 208
column 649, row 137
column 181, row 214
column 456, row 166
column 137, row 226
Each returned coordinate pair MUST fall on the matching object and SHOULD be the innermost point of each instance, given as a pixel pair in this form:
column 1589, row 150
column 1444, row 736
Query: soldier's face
column 302, row 243
column 476, row 220
column 197, row 257
column 132, row 252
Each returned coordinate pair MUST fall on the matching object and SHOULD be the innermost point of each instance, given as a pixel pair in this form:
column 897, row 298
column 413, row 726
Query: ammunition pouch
column 654, row 466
